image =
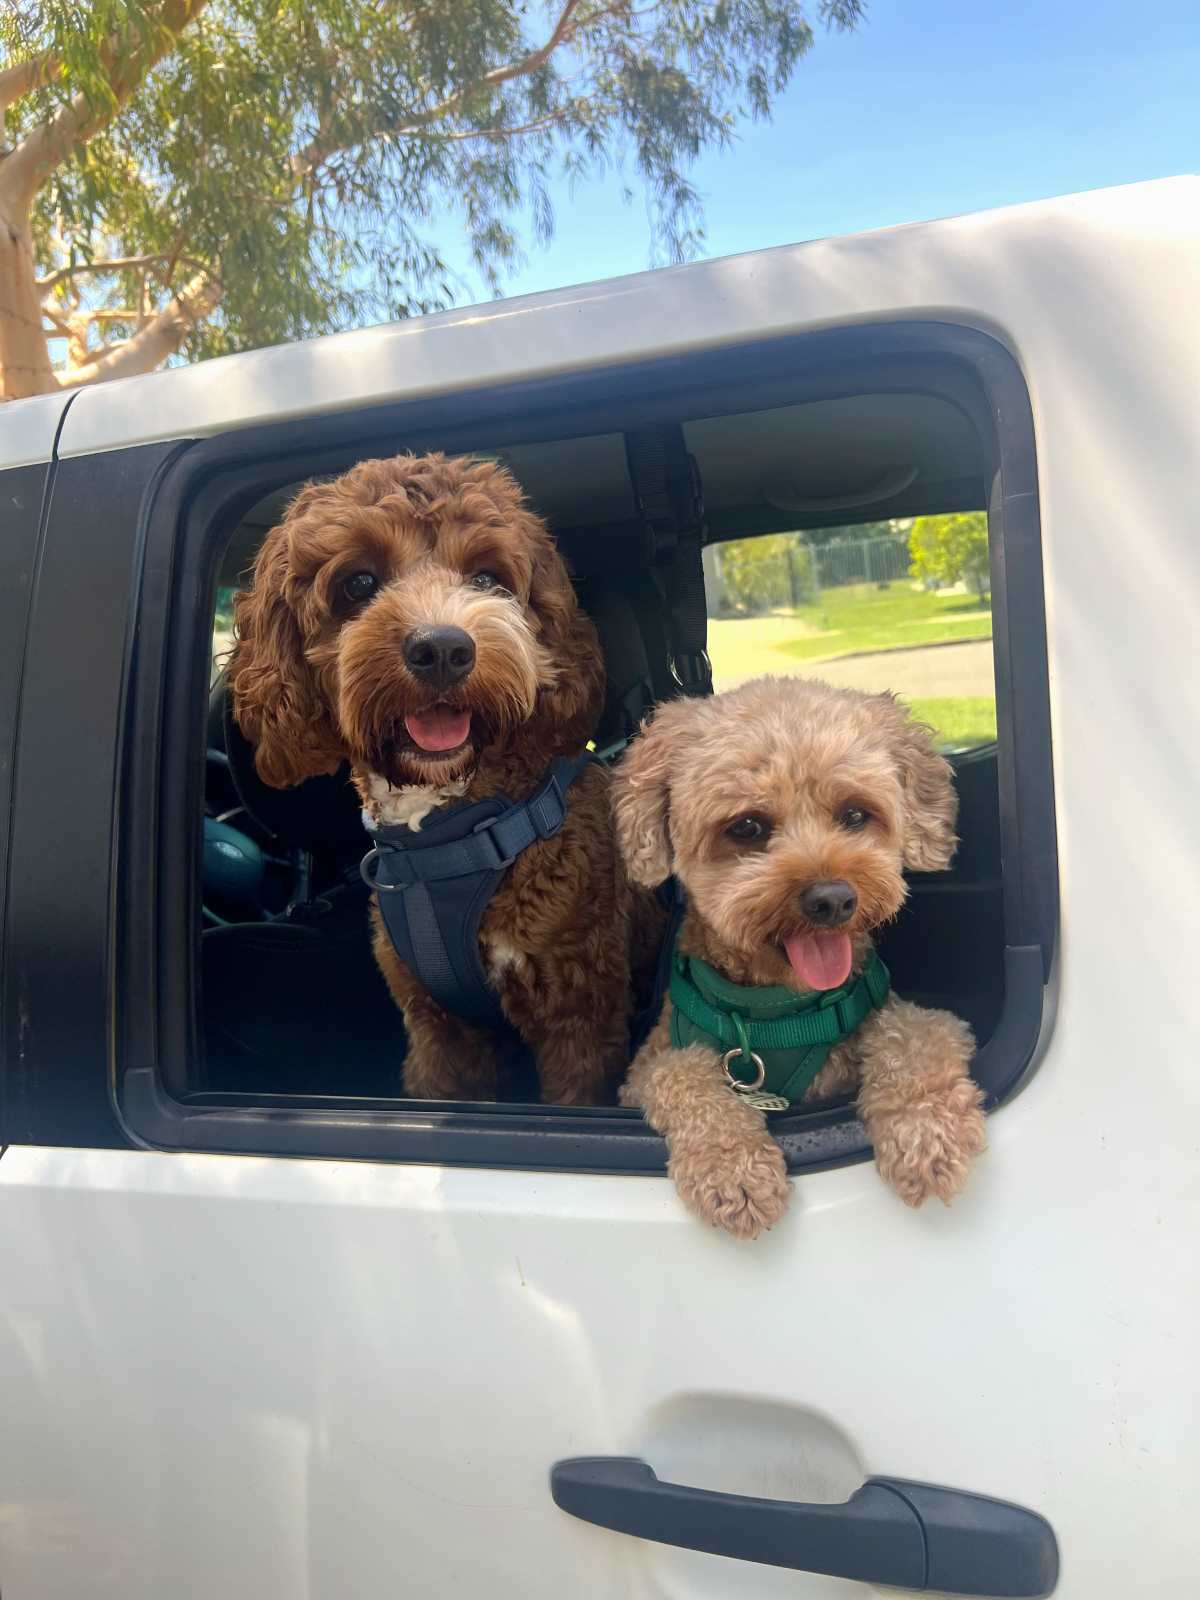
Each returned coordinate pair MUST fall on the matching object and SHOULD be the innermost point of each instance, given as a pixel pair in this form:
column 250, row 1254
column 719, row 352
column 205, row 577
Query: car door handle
column 912, row 1535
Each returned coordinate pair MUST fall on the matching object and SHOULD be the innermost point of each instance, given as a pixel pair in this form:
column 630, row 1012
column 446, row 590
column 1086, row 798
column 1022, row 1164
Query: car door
column 27, row 447
column 323, row 1371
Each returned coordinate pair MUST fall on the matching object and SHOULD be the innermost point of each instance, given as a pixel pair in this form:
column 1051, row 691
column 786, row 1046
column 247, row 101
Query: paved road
column 948, row 671
column 941, row 671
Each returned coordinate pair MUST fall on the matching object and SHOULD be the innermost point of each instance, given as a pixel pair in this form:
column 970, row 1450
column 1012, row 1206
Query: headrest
column 323, row 815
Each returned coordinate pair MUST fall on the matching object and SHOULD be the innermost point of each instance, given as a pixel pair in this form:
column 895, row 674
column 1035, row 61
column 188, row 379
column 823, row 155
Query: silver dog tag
column 764, row 1102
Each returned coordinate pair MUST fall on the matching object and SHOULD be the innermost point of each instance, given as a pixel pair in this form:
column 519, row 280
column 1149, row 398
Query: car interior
column 292, row 1002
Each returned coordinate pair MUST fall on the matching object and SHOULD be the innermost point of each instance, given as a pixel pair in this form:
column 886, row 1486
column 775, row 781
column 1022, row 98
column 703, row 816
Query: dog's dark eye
column 484, row 580
column 853, row 818
column 360, row 586
column 749, row 829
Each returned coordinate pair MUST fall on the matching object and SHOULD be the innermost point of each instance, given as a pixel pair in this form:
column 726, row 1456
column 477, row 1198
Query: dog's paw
column 926, row 1153
column 742, row 1188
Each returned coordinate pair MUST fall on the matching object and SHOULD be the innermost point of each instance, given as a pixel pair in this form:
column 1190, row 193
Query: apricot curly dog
column 788, row 811
column 414, row 619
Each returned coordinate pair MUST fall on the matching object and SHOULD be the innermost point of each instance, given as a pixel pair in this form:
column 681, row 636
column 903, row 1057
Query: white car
column 267, row 1328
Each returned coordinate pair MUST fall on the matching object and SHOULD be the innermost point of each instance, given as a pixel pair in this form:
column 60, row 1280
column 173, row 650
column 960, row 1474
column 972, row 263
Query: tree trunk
column 151, row 345
column 24, row 353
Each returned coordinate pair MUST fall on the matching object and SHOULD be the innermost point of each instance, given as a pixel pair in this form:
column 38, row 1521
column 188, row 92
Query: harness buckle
column 693, row 673
column 486, row 831
column 547, row 822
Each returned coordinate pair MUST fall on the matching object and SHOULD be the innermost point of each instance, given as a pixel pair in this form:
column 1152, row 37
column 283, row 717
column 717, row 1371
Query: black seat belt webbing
column 666, row 485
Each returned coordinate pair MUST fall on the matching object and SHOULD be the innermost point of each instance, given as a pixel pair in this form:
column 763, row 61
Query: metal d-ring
column 736, row 1083
column 366, row 866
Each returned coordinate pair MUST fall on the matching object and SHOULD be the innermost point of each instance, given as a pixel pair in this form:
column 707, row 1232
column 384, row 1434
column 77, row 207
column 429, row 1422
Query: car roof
column 968, row 269
column 994, row 269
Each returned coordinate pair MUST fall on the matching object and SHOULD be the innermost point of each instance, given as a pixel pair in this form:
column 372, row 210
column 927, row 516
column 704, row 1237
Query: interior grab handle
column 891, row 1531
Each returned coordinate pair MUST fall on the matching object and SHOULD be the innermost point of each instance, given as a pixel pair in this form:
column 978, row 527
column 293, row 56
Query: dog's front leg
column 573, row 1009
column 727, row 1168
column 921, row 1108
column 447, row 1059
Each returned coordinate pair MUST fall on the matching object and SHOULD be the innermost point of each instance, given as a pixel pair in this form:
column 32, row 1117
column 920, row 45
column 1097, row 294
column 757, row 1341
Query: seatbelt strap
column 615, row 606
column 666, row 486
column 435, row 884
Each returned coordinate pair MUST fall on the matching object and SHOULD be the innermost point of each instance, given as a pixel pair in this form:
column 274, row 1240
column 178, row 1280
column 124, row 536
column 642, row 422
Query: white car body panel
column 28, row 428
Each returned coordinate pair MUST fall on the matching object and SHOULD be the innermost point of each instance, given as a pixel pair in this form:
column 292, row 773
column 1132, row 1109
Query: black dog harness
column 434, row 885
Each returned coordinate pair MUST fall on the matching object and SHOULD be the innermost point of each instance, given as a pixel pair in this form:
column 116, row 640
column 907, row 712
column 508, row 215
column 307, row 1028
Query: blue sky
column 933, row 107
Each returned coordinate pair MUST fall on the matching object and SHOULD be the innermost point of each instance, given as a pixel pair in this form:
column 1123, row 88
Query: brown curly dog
column 414, row 619
column 788, row 810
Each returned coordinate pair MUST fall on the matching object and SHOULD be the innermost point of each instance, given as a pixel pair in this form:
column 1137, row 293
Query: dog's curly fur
column 796, row 754
column 318, row 679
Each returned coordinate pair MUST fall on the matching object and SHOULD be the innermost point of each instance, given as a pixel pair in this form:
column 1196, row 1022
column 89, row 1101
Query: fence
column 783, row 571
column 880, row 560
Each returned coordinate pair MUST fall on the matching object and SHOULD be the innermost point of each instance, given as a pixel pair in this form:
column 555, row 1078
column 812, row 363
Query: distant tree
column 952, row 549
column 199, row 176
column 765, row 573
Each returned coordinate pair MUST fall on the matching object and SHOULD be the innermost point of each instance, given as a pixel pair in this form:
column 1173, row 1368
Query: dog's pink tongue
column 438, row 729
column 819, row 960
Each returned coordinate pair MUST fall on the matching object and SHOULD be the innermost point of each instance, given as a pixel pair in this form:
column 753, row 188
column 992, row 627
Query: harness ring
column 736, row 1083
column 366, row 867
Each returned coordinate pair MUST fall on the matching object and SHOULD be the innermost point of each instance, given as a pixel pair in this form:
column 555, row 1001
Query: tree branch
column 566, row 28
column 536, row 58
column 56, row 318
column 161, row 336
column 125, row 61
column 109, row 314
column 454, row 135
column 168, row 258
column 26, row 76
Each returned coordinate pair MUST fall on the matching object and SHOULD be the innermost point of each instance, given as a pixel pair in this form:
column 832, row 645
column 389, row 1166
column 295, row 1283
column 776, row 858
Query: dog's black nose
column 829, row 903
column 439, row 656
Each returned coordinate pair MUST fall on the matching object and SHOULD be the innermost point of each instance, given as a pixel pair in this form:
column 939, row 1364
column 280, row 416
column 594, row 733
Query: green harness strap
column 792, row 1034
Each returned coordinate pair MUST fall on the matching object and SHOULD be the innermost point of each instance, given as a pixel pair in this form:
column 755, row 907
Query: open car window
column 263, row 1023
column 901, row 605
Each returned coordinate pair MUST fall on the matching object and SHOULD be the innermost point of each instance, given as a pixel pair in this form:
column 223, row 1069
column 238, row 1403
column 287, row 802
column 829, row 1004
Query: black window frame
column 204, row 490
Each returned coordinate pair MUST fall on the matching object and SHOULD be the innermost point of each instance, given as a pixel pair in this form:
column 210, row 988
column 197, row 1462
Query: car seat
column 293, row 1002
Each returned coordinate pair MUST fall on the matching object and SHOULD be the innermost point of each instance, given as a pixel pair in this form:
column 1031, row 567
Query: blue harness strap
column 434, row 885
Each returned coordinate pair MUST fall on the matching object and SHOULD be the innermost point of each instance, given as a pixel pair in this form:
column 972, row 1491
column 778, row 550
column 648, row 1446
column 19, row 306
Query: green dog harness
column 773, row 1041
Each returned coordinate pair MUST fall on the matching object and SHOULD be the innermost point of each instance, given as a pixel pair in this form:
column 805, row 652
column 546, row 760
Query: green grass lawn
column 961, row 723
column 862, row 617
column 861, row 620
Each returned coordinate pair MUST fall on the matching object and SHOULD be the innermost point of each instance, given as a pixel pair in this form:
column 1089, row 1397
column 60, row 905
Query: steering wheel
column 237, row 870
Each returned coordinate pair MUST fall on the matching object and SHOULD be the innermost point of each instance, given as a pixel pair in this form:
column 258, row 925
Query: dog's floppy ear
column 641, row 794
column 573, row 702
column 930, row 801
column 276, row 699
